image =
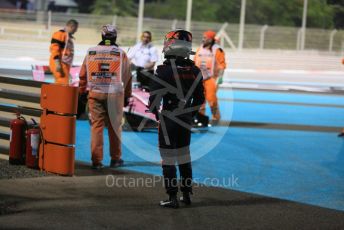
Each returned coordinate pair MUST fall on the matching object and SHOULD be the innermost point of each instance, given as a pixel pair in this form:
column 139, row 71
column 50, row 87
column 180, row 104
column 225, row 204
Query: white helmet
column 109, row 32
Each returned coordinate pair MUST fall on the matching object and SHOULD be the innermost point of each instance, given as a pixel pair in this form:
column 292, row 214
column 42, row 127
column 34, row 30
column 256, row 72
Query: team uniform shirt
column 210, row 61
column 105, row 70
column 142, row 54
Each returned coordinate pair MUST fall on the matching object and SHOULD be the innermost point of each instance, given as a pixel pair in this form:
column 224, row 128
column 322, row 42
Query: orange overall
column 210, row 61
column 61, row 50
column 106, row 75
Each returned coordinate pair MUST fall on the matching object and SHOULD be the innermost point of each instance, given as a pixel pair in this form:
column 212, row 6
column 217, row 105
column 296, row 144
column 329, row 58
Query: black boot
column 97, row 166
column 172, row 202
column 116, row 163
column 185, row 198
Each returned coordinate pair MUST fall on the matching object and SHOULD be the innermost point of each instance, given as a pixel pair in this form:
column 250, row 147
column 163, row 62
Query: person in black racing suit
column 178, row 83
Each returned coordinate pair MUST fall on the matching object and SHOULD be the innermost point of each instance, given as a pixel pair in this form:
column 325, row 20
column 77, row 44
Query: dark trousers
column 174, row 146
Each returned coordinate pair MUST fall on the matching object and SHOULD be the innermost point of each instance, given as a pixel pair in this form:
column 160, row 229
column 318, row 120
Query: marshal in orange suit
column 210, row 58
column 62, row 52
column 105, row 74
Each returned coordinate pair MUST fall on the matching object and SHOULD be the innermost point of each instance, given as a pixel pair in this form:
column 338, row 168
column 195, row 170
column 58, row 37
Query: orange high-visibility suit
column 105, row 73
column 210, row 61
column 61, row 51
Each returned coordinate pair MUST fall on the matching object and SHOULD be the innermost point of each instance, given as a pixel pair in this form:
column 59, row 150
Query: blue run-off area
column 302, row 166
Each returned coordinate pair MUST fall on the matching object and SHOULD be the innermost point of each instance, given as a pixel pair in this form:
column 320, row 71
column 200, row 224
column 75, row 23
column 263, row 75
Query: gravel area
column 8, row 171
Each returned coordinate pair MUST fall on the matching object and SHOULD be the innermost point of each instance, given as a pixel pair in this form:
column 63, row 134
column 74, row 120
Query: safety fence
column 17, row 96
column 39, row 25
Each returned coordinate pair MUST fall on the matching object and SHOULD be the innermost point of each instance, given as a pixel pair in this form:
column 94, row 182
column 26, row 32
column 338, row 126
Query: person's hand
column 149, row 65
column 156, row 114
column 219, row 80
column 58, row 67
column 154, row 111
column 83, row 97
column 126, row 101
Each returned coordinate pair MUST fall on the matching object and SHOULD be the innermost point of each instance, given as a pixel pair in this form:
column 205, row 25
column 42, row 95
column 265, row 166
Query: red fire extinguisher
column 17, row 140
column 33, row 139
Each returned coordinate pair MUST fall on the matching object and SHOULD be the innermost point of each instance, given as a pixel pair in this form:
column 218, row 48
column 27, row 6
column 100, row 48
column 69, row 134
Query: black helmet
column 178, row 43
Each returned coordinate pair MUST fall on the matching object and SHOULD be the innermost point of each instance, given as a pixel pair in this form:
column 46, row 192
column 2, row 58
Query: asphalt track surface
column 86, row 202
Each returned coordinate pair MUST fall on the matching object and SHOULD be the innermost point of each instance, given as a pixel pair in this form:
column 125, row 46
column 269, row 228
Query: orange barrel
column 58, row 129
column 57, row 159
column 58, row 124
column 61, row 99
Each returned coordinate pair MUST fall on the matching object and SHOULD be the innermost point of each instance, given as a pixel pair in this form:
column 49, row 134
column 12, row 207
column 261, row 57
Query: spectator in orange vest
column 105, row 74
column 62, row 52
column 210, row 58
